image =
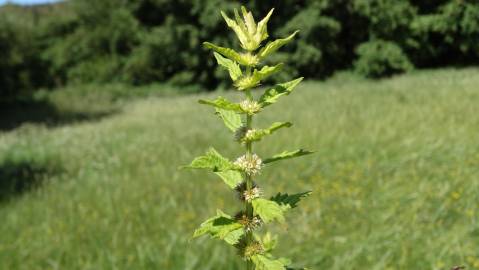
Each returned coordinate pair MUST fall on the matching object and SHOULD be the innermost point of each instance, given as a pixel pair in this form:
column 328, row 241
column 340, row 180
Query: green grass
column 395, row 180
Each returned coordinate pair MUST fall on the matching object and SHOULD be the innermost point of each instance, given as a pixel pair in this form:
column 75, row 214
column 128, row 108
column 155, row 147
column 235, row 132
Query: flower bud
column 250, row 106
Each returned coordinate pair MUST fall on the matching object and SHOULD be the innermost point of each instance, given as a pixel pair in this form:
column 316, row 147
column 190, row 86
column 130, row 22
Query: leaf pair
column 243, row 59
column 229, row 59
column 257, row 135
column 227, row 170
column 248, row 82
column 269, row 97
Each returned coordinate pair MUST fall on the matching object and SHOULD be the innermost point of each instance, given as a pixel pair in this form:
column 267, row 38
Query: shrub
column 381, row 58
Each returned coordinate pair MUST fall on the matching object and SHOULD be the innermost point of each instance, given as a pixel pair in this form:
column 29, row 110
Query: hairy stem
column 249, row 181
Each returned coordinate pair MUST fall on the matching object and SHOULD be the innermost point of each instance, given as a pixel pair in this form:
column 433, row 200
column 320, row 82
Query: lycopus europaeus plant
column 242, row 230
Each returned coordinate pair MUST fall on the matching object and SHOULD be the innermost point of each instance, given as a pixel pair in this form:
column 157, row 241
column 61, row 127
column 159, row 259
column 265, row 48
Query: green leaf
column 262, row 29
column 247, row 82
column 271, row 47
column 264, row 262
column 231, row 177
column 231, row 119
column 221, row 226
column 231, row 66
column 266, row 71
column 285, row 261
column 212, row 160
column 269, row 242
column 249, row 20
column 268, row 210
column 222, row 103
column 239, row 30
column 286, row 155
column 257, row 135
column 227, row 52
column 246, row 59
column 287, row 201
column 271, row 95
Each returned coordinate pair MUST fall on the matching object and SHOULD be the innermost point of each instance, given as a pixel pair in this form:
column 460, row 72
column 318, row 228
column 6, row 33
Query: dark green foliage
column 448, row 36
column 315, row 54
column 21, row 67
column 386, row 19
column 145, row 41
column 161, row 55
column 381, row 58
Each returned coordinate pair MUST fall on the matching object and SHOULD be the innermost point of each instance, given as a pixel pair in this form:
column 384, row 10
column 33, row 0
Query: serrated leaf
column 229, row 53
column 268, row 210
column 222, row 103
column 263, row 262
column 231, row 177
column 221, row 226
column 249, row 20
column 240, row 22
column 212, row 160
column 233, row 237
column 269, row 242
column 231, row 66
column 257, row 135
column 287, row 201
column 247, row 82
column 273, row 46
column 262, row 29
column 231, row 119
column 287, row 155
column 272, row 95
column 266, row 71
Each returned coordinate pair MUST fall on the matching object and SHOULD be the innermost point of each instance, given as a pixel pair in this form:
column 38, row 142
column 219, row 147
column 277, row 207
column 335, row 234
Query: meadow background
column 98, row 109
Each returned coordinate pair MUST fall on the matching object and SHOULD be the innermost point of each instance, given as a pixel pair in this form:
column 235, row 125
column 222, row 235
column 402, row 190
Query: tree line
column 144, row 41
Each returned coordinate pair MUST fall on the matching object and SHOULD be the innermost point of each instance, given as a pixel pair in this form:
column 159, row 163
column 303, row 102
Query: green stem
column 249, row 184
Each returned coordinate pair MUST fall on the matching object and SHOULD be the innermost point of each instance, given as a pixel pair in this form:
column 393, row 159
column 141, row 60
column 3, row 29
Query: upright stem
column 249, row 180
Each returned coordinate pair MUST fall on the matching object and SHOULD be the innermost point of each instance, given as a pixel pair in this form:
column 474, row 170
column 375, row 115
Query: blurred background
column 98, row 109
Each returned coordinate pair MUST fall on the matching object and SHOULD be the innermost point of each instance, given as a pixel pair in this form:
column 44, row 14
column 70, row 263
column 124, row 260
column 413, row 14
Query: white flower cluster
column 250, row 106
column 250, row 164
column 252, row 194
column 250, row 134
column 249, row 224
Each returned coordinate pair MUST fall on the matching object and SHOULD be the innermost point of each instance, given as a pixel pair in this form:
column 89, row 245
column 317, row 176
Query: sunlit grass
column 395, row 180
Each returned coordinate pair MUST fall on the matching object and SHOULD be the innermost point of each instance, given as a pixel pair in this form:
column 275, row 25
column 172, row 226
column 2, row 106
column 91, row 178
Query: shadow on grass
column 15, row 113
column 16, row 178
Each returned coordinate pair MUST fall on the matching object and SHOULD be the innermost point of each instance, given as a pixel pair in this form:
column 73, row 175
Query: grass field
column 395, row 180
